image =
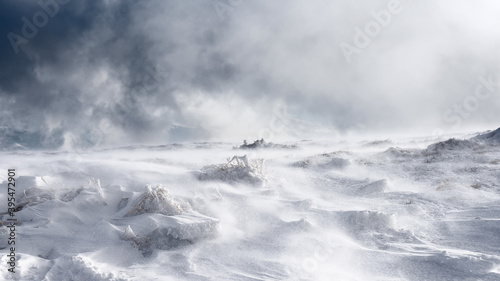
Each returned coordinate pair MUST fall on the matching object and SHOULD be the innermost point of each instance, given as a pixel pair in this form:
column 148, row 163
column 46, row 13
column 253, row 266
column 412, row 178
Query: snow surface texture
column 407, row 209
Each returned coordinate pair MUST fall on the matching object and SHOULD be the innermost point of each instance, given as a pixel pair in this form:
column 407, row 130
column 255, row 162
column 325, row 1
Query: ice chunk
column 155, row 200
column 122, row 204
column 237, row 169
column 128, row 234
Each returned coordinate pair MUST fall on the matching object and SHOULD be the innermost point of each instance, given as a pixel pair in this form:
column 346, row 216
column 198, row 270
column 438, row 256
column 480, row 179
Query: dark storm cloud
column 95, row 63
column 47, row 81
column 112, row 72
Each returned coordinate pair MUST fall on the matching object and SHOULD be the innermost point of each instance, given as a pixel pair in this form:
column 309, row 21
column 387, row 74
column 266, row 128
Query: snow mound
column 490, row 137
column 373, row 229
column 237, row 169
column 323, row 161
column 155, row 200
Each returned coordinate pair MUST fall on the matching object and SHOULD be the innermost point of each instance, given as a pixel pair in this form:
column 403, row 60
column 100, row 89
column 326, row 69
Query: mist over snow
column 106, row 73
column 249, row 140
column 404, row 209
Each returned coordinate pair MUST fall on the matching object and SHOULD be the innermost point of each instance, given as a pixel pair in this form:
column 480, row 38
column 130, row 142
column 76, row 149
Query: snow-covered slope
column 418, row 209
column 491, row 137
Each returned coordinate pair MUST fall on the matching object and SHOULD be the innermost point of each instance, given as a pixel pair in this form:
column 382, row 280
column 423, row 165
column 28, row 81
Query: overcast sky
column 87, row 73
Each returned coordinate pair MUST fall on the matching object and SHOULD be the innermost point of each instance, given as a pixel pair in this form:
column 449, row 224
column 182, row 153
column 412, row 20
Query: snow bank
column 237, row 169
column 374, row 229
column 491, row 137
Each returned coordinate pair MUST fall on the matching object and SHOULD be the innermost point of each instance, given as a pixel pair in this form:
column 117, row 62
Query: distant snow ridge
column 324, row 161
column 237, row 169
column 379, row 143
column 450, row 144
column 263, row 144
column 491, row 137
column 155, row 200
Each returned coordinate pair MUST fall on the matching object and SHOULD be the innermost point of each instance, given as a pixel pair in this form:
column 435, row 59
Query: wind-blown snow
column 418, row 209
